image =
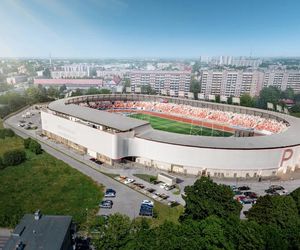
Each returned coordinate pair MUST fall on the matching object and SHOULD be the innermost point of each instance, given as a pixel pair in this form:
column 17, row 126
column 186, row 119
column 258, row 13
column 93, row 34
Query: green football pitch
column 178, row 127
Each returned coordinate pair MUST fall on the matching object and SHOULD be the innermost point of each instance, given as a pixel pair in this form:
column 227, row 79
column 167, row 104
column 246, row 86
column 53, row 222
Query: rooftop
column 47, row 233
column 111, row 120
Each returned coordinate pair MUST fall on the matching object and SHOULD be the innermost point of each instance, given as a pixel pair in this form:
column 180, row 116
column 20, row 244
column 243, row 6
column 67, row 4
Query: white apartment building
column 283, row 79
column 162, row 81
column 236, row 83
column 230, row 83
column 112, row 73
column 16, row 79
column 229, row 60
column 71, row 71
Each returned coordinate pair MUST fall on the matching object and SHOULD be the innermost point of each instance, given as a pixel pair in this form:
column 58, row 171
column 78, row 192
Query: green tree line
column 211, row 220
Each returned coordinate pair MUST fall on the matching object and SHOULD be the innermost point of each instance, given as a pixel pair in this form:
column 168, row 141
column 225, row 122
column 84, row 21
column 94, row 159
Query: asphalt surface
column 127, row 201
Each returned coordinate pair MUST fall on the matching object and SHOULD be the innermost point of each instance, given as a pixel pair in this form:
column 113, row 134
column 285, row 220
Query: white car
column 128, row 180
column 163, row 185
column 147, row 202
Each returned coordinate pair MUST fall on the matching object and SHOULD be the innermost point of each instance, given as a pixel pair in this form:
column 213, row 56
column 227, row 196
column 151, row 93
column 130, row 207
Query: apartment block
column 162, row 81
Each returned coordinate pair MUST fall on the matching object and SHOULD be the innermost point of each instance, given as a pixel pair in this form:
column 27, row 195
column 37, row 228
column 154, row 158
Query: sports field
column 178, row 127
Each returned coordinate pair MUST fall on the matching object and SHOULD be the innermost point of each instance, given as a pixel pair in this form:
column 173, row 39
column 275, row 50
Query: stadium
column 176, row 135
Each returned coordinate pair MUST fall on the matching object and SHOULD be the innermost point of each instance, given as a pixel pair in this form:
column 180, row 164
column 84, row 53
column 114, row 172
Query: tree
column 27, row 142
column 53, row 92
column 62, row 88
column 146, row 89
column 6, row 132
column 126, row 84
column 296, row 197
column 92, row 91
column 195, row 87
column 268, row 94
column 13, row 157
column 196, row 67
column 115, row 233
column 47, row 73
column 206, row 198
column 278, row 210
column 104, row 91
column 218, row 98
column 35, row 147
column 77, row 92
column 288, row 94
column 296, row 108
column 246, row 100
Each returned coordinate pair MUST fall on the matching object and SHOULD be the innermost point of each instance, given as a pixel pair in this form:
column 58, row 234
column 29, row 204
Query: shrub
column 27, row 142
column 6, row 132
column 9, row 132
column 35, row 147
column 1, row 164
column 13, row 157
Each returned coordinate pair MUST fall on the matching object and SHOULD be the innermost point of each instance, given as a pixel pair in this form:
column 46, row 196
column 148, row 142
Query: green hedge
column 13, row 157
column 33, row 146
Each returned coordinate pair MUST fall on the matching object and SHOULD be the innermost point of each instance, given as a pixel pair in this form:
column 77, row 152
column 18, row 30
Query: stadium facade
column 112, row 137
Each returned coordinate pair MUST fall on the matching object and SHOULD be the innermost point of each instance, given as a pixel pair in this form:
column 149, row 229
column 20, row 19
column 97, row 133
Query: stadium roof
column 289, row 137
column 111, row 120
column 46, row 233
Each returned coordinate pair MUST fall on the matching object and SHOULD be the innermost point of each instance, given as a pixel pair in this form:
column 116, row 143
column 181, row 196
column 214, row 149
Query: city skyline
column 137, row 29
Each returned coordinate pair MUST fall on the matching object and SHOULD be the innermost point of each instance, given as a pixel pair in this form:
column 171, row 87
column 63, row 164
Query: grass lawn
column 146, row 177
column 10, row 143
column 43, row 182
column 296, row 114
column 166, row 213
column 178, row 127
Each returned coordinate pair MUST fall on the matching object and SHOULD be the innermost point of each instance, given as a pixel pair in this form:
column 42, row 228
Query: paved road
column 127, row 200
column 4, row 236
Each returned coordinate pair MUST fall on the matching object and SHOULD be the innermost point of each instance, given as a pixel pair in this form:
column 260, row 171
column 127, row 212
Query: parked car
column 276, row 187
column 146, row 212
column 169, row 187
column 139, row 185
column 164, row 196
column 243, row 188
column 250, row 194
column 150, row 190
column 128, row 181
column 248, row 201
column 148, row 202
column 155, row 182
column 146, row 208
column 163, row 185
column 271, row 191
column 110, row 193
column 106, row 204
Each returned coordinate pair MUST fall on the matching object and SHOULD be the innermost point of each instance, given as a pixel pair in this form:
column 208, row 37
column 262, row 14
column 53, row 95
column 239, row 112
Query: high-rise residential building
column 283, row 79
column 230, row 83
column 234, row 61
column 236, row 83
column 162, row 81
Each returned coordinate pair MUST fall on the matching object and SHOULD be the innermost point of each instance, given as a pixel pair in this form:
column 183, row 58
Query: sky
column 149, row 28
